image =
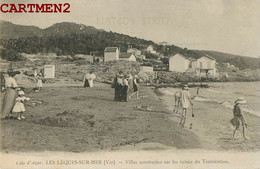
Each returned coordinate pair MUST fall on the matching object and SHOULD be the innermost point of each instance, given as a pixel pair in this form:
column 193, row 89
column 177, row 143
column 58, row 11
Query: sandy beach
column 75, row 119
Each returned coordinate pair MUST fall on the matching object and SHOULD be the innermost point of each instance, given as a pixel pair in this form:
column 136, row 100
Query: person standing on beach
column 86, row 80
column 125, row 88
column 185, row 102
column 239, row 116
column 19, row 105
column 120, row 86
column 39, row 79
column 10, row 95
column 130, row 81
column 117, row 85
column 92, row 76
column 114, row 85
column 135, row 86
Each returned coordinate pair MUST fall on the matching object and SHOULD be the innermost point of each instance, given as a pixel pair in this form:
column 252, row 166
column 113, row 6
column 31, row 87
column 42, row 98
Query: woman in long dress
column 9, row 96
column 39, row 81
column 239, row 118
column 85, row 80
column 92, row 76
column 135, row 86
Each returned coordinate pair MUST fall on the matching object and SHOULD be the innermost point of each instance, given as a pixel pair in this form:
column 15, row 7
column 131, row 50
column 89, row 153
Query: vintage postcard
column 130, row 84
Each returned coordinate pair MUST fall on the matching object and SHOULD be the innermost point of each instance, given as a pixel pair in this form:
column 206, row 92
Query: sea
column 225, row 94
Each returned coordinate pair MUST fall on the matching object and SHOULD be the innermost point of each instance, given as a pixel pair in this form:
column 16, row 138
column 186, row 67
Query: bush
column 11, row 55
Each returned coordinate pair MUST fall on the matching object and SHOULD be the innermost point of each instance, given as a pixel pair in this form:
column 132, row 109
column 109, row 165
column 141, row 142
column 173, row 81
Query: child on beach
column 239, row 116
column 19, row 105
column 185, row 102
column 39, row 79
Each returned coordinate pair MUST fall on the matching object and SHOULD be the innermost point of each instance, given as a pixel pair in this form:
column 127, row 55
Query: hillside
column 241, row 62
column 65, row 39
column 9, row 30
column 66, row 28
column 69, row 38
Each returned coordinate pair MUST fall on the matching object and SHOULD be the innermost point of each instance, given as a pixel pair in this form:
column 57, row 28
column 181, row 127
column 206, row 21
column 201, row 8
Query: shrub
column 11, row 55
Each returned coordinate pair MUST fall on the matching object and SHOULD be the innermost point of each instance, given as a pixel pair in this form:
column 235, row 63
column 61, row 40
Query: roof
column 209, row 57
column 133, row 49
column 125, row 55
column 111, row 49
column 190, row 59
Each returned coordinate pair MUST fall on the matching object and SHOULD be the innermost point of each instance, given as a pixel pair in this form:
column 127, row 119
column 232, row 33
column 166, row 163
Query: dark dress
column 120, row 88
column 116, row 87
column 86, row 84
column 134, row 85
column 124, row 91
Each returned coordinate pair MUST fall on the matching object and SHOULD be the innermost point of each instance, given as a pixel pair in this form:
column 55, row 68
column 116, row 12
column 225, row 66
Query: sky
column 231, row 26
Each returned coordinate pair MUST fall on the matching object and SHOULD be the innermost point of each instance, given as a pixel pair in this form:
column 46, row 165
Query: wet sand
column 211, row 125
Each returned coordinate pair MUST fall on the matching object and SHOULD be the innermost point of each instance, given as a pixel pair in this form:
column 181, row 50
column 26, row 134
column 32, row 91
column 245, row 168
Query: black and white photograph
column 170, row 83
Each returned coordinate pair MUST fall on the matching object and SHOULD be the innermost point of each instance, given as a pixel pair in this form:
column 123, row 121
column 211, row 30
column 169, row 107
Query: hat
column 185, row 87
column 21, row 93
column 241, row 100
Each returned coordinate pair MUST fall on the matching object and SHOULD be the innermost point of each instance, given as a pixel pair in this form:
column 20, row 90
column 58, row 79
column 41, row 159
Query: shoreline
column 213, row 127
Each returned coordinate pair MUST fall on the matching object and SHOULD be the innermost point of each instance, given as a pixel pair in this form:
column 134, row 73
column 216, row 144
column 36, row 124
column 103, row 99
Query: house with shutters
column 204, row 66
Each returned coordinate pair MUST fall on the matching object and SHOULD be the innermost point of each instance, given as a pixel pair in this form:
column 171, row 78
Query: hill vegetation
column 70, row 38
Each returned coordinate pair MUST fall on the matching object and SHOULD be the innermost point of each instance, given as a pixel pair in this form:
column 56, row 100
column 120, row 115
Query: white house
column 135, row 51
column 206, row 65
column 49, row 71
column 179, row 63
column 150, row 49
column 127, row 56
column 111, row 53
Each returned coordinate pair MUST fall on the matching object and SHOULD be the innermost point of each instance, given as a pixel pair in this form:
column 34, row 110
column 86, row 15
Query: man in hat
column 185, row 102
column 239, row 116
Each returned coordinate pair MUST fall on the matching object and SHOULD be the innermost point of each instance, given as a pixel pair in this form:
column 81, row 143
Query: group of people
column 183, row 100
column 14, row 98
column 122, row 84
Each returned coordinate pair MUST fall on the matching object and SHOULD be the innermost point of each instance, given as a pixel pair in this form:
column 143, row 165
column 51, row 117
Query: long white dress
column 19, row 104
column 91, row 79
column 39, row 81
column 185, row 102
